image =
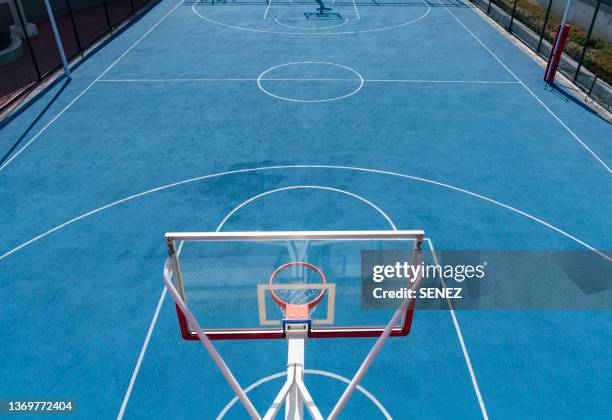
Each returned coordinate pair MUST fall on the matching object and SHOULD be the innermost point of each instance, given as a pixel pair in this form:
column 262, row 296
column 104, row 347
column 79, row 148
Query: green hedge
column 598, row 57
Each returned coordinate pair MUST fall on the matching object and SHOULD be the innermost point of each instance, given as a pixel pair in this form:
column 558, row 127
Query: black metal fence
column 587, row 56
column 29, row 53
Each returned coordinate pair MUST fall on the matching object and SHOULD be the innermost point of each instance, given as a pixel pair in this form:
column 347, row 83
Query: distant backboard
column 223, row 277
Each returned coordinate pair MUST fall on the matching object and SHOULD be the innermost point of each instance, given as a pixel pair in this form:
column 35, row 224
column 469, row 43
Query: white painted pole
column 58, row 40
column 416, row 260
column 568, row 11
column 368, row 361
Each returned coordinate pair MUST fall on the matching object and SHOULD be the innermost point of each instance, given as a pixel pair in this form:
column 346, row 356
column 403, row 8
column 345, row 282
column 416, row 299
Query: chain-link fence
column 587, row 56
column 28, row 53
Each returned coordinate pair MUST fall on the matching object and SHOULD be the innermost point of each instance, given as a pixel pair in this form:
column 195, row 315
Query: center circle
column 310, row 81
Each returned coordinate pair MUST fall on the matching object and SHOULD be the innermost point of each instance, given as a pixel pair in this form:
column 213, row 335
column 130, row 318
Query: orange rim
column 310, row 304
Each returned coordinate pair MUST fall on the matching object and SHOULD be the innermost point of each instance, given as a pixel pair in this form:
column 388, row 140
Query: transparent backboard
column 223, row 277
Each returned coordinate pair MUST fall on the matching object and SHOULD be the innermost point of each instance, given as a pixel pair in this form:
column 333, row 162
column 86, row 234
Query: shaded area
column 587, row 59
column 33, row 124
column 80, row 26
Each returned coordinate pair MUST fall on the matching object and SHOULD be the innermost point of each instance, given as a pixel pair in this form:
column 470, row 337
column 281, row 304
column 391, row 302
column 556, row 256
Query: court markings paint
column 277, row 79
column 42, row 130
column 359, row 79
column 466, row 356
column 313, row 33
column 99, row 78
column 356, row 11
column 337, row 377
column 357, row 169
column 143, row 350
column 284, row 167
column 305, row 187
column 574, row 135
column 267, row 9
column 370, row 396
column 145, row 345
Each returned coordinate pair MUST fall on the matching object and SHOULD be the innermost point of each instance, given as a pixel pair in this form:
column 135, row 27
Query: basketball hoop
column 297, row 288
column 293, row 304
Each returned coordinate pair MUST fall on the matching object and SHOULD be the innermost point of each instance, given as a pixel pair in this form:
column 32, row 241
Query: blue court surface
column 408, row 115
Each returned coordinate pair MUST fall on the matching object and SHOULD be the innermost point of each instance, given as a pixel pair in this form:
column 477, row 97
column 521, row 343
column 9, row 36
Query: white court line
column 574, row 135
column 356, row 11
column 220, row 226
column 25, row 146
column 145, row 345
column 267, row 8
column 484, row 82
column 306, row 187
column 173, row 80
column 282, row 167
column 311, row 33
column 144, row 348
column 269, row 168
column 262, row 381
column 466, row 356
column 492, row 82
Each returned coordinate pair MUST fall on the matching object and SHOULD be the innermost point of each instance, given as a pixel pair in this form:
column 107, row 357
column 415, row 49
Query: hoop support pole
column 558, row 43
column 367, row 362
column 229, row 377
column 416, row 260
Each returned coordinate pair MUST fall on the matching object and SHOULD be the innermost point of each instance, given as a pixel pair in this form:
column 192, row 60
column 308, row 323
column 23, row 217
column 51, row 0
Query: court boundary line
column 557, row 118
column 356, row 11
column 143, row 350
column 267, row 8
column 466, row 355
column 212, row 80
column 73, row 101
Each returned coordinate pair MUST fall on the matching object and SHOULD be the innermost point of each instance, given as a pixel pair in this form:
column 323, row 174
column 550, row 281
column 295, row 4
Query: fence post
column 489, row 7
column 592, row 86
column 133, row 6
column 588, row 38
column 58, row 40
column 512, row 17
column 74, row 28
column 544, row 26
column 27, row 37
column 106, row 15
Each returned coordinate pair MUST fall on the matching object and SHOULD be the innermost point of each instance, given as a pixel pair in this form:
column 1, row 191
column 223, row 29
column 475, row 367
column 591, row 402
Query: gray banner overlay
column 557, row 280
